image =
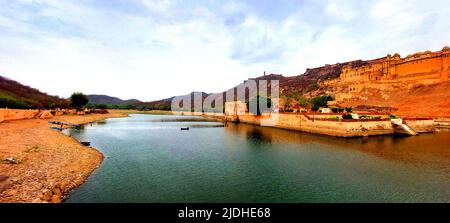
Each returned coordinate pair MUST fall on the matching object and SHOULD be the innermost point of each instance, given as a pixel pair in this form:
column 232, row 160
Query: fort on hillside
column 392, row 72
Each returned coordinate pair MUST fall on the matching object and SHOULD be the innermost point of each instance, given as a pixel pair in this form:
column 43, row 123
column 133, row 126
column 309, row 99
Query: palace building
column 390, row 72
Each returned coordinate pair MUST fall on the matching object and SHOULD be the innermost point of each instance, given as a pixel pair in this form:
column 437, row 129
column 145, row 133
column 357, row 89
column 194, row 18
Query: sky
column 154, row 49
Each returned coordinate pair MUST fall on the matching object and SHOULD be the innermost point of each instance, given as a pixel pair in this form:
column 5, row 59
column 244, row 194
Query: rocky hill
column 16, row 95
column 307, row 83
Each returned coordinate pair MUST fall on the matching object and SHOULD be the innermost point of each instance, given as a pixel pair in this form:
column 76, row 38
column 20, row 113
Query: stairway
column 404, row 127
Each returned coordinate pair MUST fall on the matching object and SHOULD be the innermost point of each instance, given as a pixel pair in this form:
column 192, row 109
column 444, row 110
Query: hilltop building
column 393, row 72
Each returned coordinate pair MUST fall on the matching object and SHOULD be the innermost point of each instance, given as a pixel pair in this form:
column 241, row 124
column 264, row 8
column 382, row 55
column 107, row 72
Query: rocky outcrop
column 45, row 115
column 16, row 114
column 70, row 111
column 54, row 195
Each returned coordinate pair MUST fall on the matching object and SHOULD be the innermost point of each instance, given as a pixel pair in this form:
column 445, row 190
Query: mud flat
column 38, row 164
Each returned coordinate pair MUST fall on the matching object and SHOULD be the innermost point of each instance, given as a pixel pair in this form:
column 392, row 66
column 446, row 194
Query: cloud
column 151, row 49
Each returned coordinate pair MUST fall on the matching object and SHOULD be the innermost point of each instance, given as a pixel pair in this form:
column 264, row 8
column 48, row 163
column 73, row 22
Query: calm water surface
column 148, row 159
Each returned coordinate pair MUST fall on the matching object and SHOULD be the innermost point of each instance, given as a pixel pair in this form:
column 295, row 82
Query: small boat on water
column 86, row 143
column 187, row 128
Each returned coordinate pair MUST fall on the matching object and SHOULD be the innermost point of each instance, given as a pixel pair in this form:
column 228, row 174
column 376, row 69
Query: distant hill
column 16, row 95
column 165, row 104
column 108, row 100
column 115, row 102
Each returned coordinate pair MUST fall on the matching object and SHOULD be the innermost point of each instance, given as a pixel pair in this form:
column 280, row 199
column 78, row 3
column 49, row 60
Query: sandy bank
column 50, row 164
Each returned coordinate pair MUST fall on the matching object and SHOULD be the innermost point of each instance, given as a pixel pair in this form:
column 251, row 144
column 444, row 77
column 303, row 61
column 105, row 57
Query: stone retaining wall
column 421, row 125
column 320, row 124
column 300, row 122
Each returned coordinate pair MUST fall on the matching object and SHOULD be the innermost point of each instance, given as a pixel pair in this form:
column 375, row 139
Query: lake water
column 148, row 159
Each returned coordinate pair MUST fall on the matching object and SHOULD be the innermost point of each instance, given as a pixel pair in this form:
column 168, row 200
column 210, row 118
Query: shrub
column 314, row 86
column 125, row 107
column 101, row 106
column 392, row 116
column 334, row 118
column 11, row 103
column 337, row 110
column 90, row 105
column 302, row 101
column 347, row 116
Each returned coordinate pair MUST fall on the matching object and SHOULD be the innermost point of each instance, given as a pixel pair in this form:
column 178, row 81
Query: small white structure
column 325, row 110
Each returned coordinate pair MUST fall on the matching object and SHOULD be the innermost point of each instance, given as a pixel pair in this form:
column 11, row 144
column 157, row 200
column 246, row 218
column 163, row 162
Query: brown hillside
column 15, row 95
column 422, row 101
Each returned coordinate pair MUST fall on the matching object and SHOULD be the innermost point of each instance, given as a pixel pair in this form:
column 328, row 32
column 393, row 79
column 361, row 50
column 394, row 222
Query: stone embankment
column 326, row 124
column 342, row 128
column 443, row 123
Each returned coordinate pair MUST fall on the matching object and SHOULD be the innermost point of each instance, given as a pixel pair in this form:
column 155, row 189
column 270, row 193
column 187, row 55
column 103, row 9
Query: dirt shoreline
column 48, row 164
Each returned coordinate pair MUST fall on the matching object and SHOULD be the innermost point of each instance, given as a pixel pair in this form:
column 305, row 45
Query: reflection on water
column 429, row 148
column 192, row 119
column 101, row 122
column 257, row 135
column 153, row 161
column 206, row 126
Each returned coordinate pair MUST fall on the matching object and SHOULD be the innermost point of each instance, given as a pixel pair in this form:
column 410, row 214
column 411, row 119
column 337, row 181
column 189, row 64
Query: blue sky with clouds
column 151, row 49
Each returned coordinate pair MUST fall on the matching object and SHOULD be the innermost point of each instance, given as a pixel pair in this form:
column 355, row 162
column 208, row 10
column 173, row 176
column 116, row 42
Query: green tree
column 302, row 101
column 78, row 100
column 90, row 105
column 315, row 108
column 101, row 106
column 322, row 101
